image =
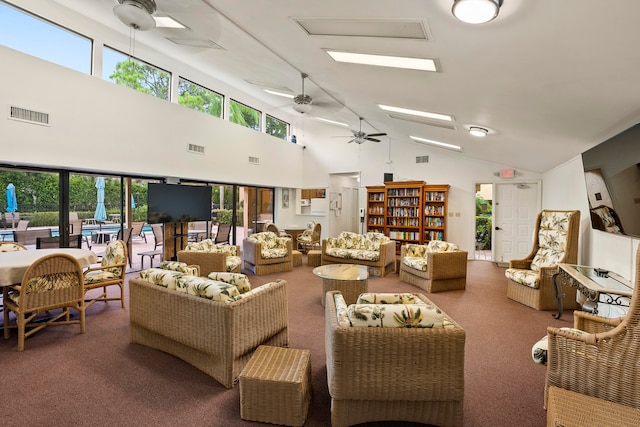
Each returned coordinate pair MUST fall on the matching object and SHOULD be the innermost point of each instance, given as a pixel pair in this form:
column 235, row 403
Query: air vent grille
column 30, row 116
column 422, row 159
column 254, row 160
column 196, row 149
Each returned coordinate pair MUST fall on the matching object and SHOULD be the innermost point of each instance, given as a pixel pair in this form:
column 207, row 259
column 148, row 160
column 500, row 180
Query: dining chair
column 111, row 272
column 125, row 235
column 53, row 281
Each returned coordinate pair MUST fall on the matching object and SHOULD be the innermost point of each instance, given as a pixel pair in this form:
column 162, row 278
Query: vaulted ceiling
column 548, row 78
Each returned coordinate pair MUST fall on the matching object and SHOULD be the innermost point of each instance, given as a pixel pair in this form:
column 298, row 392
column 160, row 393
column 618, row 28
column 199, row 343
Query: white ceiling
column 549, row 78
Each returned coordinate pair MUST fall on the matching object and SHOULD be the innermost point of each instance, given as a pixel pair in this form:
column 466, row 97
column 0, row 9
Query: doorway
column 484, row 221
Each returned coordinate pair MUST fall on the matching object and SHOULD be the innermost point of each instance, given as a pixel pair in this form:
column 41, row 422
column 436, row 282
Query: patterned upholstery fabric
column 341, row 311
column 415, row 255
column 161, row 277
column 607, row 219
column 233, row 262
column 552, row 243
column 46, row 283
column 540, row 349
column 114, row 254
column 182, row 267
column 255, row 291
column 209, row 245
column 206, row 288
column 395, row 315
column 272, row 246
column 388, row 298
column 305, row 236
column 240, row 281
column 11, row 247
column 351, row 245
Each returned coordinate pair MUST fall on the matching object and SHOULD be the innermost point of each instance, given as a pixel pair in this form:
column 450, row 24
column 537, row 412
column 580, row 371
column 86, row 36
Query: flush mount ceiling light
column 478, row 131
column 136, row 14
column 476, row 11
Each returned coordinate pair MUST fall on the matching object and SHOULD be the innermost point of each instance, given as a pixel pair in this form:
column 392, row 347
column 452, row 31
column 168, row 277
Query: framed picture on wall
column 285, row 198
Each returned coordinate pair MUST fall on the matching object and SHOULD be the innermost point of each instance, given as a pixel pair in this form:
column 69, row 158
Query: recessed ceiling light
column 333, row 122
column 422, row 64
column 275, row 92
column 167, row 22
column 476, row 11
column 436, row 143
column 478, row 131
column 436, row 116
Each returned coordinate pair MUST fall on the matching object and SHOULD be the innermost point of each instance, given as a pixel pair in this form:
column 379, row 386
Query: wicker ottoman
column 275, row 386
column 297, row 258
column 314, row 258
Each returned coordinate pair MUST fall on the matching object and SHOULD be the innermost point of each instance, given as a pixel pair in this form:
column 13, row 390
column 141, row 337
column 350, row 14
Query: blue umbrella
column 12, row 203
column 101, row 213
column 133, row 202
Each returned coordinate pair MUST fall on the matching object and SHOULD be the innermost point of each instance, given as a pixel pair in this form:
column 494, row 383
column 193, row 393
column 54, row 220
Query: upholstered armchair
column 434, row 267
column 111, row 272
column 606, row 219
column 310, row 237
column 211, row 257
column 266, row 253
column 530, row 280
column 600, row 359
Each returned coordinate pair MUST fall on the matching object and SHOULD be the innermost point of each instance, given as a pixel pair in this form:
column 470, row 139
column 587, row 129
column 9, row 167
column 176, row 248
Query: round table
column 350, row 279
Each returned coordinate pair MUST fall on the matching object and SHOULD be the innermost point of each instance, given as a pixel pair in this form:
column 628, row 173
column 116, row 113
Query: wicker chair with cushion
column 274, row 229
column 211, row 257
column 435, row 267
column 266, row 253
column 601, row 362
column 410, row 368
column 53, row 281
column 310, row 237
column 530, row 280
column 11, row 247
column 110, row 273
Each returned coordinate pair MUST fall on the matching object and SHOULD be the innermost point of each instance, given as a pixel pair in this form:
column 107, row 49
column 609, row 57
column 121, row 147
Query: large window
column 244, row 115
column 277, row 127
column 199, row 98
column 40, row 38
column 131, row 72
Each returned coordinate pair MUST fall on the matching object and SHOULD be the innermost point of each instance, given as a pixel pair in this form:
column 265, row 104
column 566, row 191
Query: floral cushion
column 161, row 277
column 114, row 254
column 415, row 251
column 47, row 282
column 254, row 291
column 341, row 310
column 268, row 239
column 11, row 247
column 354, row 254
column 607, row 219
column 552, row 239
column 388, row 298
column 351, row 245
column 98, row 276
column 395, row 315
column 540, row 349
column 206, row 288
column 524, row 277
column 208, row 245
column 182, row 267
column 240, row 281
column 441, row 246
column 233, row 262
column 417, row 263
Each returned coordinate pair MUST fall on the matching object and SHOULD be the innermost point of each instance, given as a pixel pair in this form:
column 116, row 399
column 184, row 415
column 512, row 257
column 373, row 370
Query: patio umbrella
column 12, row 203
column 101, row 213
column 133, row 202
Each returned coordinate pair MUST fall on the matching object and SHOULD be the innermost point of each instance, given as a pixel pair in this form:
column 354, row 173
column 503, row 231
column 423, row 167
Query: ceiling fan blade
column 351, row 140
column 377, row 134
column 372, row 139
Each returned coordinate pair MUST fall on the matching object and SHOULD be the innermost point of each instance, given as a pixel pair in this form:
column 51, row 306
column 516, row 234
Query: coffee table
column 350, row 279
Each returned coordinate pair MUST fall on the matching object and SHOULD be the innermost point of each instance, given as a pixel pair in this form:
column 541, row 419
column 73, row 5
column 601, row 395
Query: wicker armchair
column 444, row 270
column 257, row 245
column 210, row 261
column 309, row 238
column 602, row 363
column 394, row 374
column 110, row 273
column 53, row 281
column 530, row 280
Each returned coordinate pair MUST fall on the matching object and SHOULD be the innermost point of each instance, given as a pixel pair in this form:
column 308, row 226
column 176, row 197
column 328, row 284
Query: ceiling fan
column 360, row 137
column 302, row 102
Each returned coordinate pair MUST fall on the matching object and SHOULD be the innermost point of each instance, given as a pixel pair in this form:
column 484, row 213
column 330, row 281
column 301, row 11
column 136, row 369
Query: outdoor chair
column 23, row 224
column 125, row 235
column 75, row 229
column 53, row 281
column 157, row 235
column 111, row 272
column 136, row 231
column 599, row 357
column 530, row 280
column 29, row 237
column 54, row 242
column 310, row 237
column 12, row 218
column 224, row 231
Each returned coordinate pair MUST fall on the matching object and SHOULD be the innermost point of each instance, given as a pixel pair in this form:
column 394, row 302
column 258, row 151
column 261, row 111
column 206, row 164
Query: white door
column 516, row 207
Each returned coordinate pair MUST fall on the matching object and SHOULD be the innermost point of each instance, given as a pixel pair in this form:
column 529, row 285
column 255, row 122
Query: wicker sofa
column 435, row 267
column 210, row 256
column 411, row 374
column 218, row 338
column 371, row 249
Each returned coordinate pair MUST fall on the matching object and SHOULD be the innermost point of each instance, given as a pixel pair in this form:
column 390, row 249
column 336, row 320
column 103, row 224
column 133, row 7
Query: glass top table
column 597, row 285
column 349, row 279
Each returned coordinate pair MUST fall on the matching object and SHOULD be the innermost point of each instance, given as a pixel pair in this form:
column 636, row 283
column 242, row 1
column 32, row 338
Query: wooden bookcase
column 404, row 212
column 434, row 220
column 376, row 208
column 408, row 211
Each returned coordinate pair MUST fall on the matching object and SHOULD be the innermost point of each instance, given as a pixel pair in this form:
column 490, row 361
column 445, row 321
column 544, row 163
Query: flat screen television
column 178, row 203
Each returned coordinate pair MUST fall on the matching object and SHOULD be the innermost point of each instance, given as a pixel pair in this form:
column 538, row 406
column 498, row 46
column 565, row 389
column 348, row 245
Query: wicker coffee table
column 350, row 279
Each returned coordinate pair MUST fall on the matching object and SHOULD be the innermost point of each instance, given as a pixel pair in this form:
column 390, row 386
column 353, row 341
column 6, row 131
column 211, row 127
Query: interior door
column 516, row 208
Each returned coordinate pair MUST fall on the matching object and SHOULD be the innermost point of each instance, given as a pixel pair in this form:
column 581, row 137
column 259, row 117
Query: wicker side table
column 275, row 386
column 314, row 258
column 569, row 409
column 296, row 257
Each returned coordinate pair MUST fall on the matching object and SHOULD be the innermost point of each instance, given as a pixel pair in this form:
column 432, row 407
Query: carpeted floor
column 100, row 379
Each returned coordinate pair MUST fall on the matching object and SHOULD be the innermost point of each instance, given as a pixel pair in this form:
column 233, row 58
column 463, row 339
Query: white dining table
column 13, row 265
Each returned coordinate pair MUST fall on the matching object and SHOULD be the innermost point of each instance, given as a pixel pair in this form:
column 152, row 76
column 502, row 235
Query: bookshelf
column 434, row 220
column 376, row 208
column 403, row 221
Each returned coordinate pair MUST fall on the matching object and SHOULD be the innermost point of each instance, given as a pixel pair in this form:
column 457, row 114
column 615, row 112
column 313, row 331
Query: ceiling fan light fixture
column 136, row 14
column 302, row 108
column 476, row 11
column 478, row 131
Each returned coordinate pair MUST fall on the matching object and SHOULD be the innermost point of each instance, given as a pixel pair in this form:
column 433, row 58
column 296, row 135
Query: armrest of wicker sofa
column 388, row 253
column 207, row 261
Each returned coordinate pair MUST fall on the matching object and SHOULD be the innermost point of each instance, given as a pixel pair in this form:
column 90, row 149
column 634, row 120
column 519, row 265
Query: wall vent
column 422, row 159
column 196, row 149
column 29, row 116
column 254, row 160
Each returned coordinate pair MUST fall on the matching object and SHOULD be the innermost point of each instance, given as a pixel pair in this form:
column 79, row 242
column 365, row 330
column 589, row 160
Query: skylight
column 422, row 64
column 419, row 113
column 167, row 22
column 436, row 143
